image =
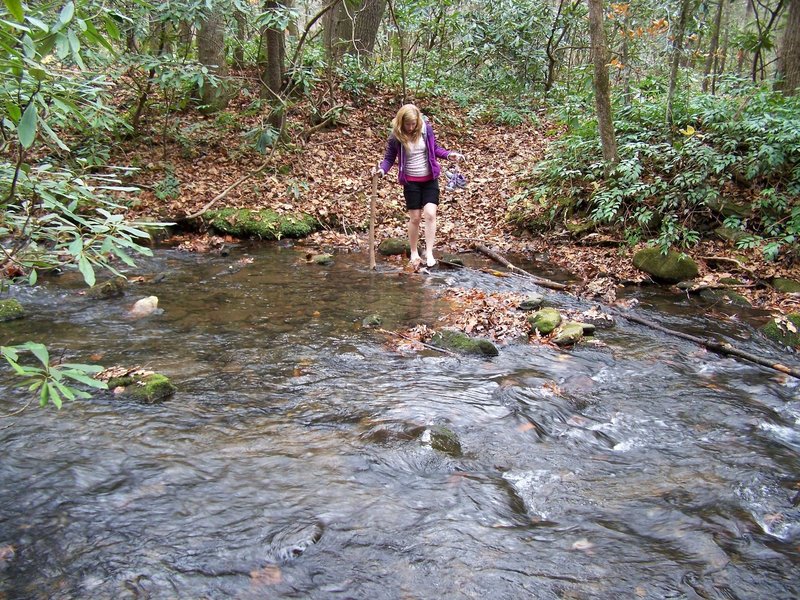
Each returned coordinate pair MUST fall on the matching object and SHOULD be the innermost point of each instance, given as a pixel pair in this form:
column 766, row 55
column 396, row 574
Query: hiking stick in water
column 372, row 221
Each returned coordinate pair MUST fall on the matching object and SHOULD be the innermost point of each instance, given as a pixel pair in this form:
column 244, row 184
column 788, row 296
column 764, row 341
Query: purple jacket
column 394, row 147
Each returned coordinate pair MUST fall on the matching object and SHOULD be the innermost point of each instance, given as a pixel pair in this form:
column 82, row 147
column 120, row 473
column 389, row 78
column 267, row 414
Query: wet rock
column 444, row 440
column 372, row 321
column 394, row 247
column 545, row 320
column 723, row 296
column 532, row 302
column 784, row 329
column 152, row 388
column 144, row 307
column 570, row 333
column 112, row 288
column 787, row 286
column 670, row 268
column 320, row 259
column 461, row 343
column 452, row 259
column 11, row 309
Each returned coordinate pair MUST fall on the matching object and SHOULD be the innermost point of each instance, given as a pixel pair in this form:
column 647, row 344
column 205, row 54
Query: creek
column 302, row 457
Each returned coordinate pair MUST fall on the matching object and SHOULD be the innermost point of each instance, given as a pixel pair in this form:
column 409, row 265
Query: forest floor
column 329, row 176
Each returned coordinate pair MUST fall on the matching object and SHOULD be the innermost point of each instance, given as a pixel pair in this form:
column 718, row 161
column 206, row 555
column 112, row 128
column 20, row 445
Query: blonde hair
column 405, row 114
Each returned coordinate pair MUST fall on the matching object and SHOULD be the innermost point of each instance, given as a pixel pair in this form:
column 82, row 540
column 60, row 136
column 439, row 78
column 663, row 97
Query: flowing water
column 303, row 458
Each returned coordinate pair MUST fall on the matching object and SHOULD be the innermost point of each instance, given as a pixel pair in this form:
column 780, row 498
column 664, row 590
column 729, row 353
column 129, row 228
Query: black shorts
column 420, row 193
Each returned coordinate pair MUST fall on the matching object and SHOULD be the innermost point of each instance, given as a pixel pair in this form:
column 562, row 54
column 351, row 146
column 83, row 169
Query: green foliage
column 169, row 187
column 734, row 156
column 52, row 383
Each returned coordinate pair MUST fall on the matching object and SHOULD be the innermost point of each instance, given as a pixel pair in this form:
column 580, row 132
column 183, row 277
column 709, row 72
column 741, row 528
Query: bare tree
column 687, row 7
column 602, row 88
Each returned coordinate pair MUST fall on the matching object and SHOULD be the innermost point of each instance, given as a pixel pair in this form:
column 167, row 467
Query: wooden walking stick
column 372, row 221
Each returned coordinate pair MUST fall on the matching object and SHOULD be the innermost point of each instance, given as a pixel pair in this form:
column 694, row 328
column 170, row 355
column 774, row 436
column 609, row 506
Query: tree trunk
column 602, row 91
column 677, row 50
column 789, row 55
column 352, row 27
column 712, row 58
column 272, row 78
column 241, row 39
column 211, row 53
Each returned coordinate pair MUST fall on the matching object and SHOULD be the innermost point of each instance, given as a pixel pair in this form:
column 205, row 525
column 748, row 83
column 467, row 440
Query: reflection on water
column 302, row 458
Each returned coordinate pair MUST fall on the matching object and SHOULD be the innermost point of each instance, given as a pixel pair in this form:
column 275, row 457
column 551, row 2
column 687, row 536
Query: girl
column 412, row 139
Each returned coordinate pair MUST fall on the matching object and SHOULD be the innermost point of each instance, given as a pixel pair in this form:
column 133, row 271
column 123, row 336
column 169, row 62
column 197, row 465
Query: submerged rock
column 461, row 343
column 724, row 296
column 11, row 309
column 672, row 267
column 443, row 440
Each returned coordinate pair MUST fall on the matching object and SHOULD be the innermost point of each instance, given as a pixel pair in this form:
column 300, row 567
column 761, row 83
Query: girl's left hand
column 455, row 156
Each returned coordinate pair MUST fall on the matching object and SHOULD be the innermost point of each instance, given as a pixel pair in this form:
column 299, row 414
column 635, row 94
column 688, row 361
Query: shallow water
column 302, row 458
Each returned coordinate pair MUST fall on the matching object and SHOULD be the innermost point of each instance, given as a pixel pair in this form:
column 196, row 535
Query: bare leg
column 430, row 232
column 414, row 218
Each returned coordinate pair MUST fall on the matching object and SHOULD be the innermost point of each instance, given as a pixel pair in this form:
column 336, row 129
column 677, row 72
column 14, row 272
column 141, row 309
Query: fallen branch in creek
column 416, row 341
column 546, row 283
column 720, row 348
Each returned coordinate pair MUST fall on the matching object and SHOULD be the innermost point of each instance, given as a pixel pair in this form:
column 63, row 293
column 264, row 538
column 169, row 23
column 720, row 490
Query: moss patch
column 10, row 309
column 463, row 344
column 780, row 330
column 671, row 268
column 150, row 389
column 264, row 224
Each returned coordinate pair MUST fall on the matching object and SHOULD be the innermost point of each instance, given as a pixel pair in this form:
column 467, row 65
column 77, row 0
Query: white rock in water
column 145, row 306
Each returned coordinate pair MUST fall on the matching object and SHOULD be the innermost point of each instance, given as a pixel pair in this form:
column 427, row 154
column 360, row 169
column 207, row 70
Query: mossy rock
column 728, row 234
column 320, row 259
column 11, row 309
column 670, row 268
column 545, row 320
column 461, row 343
column 264, row 224
column 578, row 229
column 113, row 288
column 371, row 321
column 150, row 389
column 787, row 286
column 394, row 247
column 569, row 334
column 725, row 297
column 778, row 330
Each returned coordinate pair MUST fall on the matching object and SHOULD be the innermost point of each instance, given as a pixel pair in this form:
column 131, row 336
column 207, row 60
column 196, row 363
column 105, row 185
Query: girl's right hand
column 378, row 171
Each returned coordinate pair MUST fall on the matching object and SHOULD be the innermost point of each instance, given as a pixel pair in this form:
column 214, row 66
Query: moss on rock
column 11, row 309
column 112, row 288
column 671, row 268
column 394, row 247
column 457, row 341
column 545, row 320
column 570, row 333
column 264, row 224
column 780, row 330
column 787, row 286
column 149, row 389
